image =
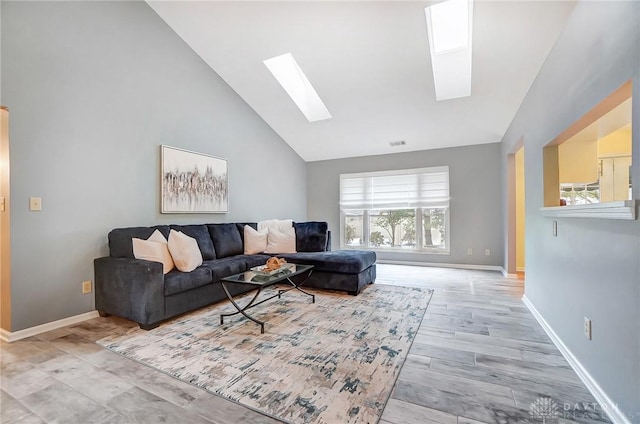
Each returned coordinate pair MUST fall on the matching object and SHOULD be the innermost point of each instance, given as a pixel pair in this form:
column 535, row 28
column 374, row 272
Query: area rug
column 334, row 361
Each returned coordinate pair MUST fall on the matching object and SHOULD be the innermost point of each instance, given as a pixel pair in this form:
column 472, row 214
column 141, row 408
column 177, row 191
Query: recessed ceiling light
column 286, row 70
column 450, row 28
column 397, row 143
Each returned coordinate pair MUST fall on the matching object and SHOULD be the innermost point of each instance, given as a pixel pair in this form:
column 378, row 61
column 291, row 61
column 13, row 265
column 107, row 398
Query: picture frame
column 192, row 182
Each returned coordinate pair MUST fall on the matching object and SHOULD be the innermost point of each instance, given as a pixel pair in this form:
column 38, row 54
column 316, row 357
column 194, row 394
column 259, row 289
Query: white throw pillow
column 281, row 241
column 254, row 241
column 154, row 249
column 185, row 251
column 282, row 225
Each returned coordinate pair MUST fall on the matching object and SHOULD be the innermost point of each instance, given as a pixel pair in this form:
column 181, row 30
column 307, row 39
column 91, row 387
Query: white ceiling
column 370, row 64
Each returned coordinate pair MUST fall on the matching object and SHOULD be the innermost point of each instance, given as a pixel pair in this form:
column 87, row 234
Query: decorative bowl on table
column 273, row 266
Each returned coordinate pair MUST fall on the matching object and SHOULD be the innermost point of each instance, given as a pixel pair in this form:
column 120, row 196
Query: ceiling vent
column 397, row 143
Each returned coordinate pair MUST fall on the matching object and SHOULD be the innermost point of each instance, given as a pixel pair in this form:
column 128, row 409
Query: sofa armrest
column 328, row 247
column 130, row 288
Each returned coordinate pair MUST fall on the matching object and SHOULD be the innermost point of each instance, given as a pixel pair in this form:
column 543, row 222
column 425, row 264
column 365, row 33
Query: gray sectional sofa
column 139, row 291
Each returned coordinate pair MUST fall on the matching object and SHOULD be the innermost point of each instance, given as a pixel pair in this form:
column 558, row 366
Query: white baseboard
column 9, row 336
column 609, row 407
column 506, row 274
column 442, row 265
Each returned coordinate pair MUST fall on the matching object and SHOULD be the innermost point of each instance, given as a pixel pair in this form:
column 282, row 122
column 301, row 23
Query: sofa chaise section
column 348, row 270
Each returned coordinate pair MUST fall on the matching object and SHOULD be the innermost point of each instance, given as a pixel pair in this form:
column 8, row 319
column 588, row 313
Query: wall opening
column 590, row 162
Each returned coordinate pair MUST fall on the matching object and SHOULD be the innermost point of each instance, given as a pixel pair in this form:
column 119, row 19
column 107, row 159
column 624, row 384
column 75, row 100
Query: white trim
column 10, row 337
column 401, row 250
column 609, row 407
column 506, row 274
column 624, row 209
column 442, row 265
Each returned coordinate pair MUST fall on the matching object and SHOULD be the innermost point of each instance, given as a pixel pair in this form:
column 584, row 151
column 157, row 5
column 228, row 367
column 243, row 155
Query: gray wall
column 592, row 268
column 94, row 88
column 474, row 180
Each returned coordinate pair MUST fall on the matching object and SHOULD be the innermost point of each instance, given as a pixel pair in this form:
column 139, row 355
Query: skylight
column 287, row 72
column 449, row 26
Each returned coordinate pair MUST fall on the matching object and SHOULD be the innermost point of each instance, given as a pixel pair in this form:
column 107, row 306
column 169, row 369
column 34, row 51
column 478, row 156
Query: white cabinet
column 614, row 178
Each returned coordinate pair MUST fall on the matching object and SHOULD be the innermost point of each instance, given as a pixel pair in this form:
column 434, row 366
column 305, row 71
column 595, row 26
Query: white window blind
column 402, row 189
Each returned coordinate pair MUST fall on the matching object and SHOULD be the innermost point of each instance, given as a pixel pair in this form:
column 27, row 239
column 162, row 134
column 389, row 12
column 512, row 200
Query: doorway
column 515, row 258
column 520, row 212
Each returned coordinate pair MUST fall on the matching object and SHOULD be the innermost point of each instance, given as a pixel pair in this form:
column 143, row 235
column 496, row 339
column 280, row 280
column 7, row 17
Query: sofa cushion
column 341, row 261
column 226, row 239
column 177, row 282
column 154, row 249
column 255, row 260
column 241, row 225
column 254, row 241
column 202, row 236
column 226, row 267
column 281, row 241
column 185, row 251
column 120, row 245
column 311, row 236
column 278, row 224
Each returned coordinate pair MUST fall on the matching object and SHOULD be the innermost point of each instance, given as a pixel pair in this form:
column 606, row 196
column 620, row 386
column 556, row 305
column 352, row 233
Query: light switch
column 35, row 203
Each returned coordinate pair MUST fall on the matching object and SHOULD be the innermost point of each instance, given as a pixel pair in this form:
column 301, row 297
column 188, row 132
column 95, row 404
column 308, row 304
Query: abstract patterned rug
column 334, row 361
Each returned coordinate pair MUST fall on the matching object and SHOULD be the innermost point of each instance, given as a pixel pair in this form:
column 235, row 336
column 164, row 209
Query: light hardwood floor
column 479, row 357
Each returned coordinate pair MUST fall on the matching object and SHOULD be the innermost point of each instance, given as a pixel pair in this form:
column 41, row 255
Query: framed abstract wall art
column 193, row 182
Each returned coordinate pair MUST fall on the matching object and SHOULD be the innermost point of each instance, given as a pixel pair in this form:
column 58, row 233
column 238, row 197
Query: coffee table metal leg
column 297, row 287
column 242, row 310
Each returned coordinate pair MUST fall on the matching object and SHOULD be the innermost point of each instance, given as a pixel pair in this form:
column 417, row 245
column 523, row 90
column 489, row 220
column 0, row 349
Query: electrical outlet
column 86, row 287
column 487, row 252
column 587, row 328
column 35, row 203
column 469, row 251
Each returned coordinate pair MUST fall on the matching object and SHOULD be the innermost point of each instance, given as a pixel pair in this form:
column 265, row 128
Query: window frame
column 419, row 223
column 366, row 231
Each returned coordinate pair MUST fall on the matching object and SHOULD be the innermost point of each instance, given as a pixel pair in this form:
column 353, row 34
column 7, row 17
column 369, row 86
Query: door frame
column 5, row 224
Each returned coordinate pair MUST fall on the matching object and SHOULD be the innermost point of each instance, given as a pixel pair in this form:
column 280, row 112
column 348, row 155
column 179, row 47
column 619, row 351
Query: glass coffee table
column 260, row 281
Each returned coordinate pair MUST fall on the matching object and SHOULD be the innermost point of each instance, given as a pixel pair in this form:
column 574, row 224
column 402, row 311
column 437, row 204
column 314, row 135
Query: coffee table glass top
column 255, row 278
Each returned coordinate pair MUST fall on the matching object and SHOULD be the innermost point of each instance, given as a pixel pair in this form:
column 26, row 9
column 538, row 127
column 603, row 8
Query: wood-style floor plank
column 479, row 357
column 481, row 332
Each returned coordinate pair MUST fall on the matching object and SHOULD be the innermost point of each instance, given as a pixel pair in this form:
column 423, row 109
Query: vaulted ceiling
column 370, row 64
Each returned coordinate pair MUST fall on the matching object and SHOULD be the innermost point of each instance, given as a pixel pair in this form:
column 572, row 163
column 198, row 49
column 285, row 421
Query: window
column 353, row 229
column 403, row 210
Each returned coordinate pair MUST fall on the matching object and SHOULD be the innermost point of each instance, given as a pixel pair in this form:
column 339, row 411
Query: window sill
column 625, row 209
column 383, row 250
